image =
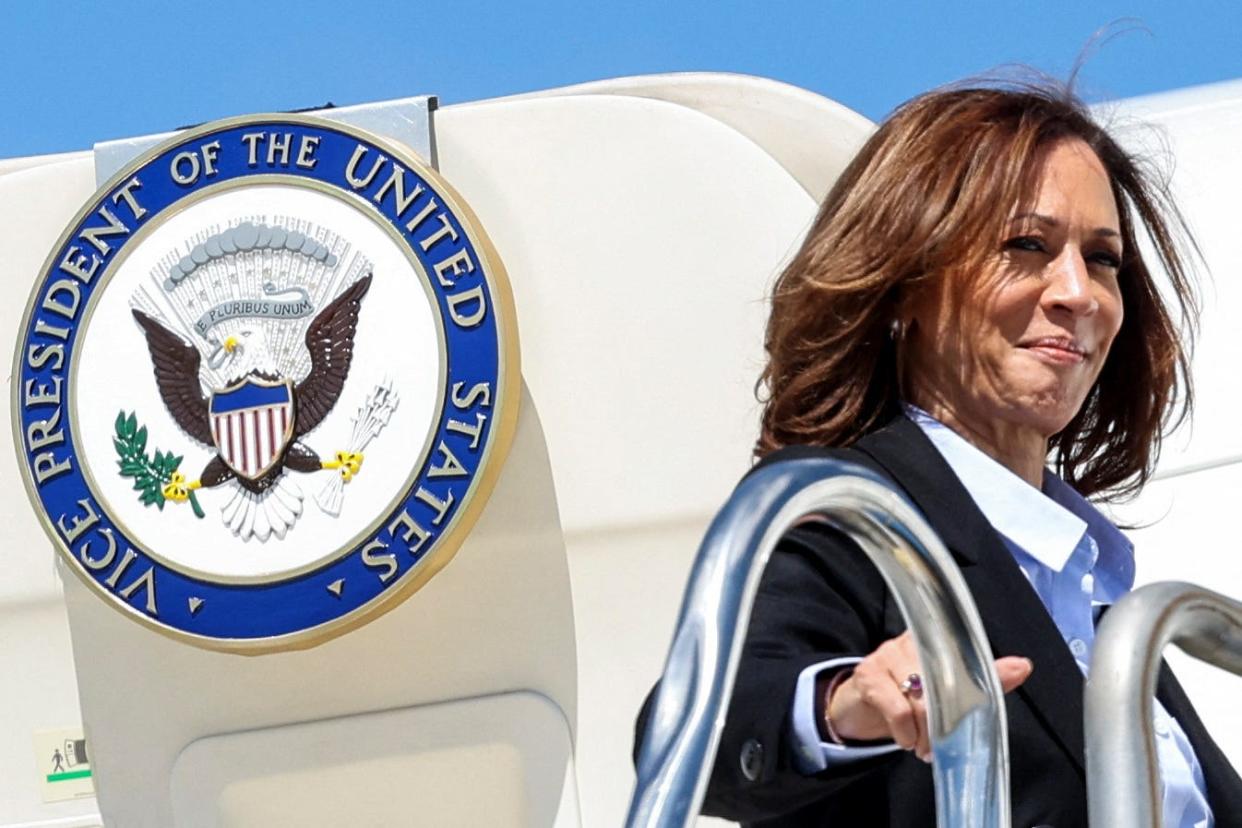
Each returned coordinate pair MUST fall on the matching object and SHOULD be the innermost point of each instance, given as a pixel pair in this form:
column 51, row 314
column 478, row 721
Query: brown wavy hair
column 929, row 195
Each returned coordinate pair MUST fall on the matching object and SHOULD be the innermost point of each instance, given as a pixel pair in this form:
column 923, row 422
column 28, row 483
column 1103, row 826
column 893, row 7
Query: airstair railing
column 1123, row 777
column 966, row 710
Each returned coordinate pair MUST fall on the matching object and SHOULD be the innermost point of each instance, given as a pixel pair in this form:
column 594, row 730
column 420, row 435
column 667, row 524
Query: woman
column 969, row 305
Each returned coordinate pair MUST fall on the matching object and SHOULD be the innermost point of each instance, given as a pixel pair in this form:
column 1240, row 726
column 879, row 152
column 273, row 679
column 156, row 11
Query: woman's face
column 1040, row 321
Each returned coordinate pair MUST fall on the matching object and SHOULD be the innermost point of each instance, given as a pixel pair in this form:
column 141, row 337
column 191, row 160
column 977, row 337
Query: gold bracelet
column 841, row 676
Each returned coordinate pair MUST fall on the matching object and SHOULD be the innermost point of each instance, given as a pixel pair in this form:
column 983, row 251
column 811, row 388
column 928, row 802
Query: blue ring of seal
column 253, row 612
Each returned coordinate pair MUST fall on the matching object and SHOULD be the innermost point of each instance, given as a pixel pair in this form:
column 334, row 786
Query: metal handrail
column 1123, row 777
column 966, row 711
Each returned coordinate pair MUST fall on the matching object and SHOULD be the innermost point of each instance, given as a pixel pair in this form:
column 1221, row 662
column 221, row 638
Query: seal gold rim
column 491, row 462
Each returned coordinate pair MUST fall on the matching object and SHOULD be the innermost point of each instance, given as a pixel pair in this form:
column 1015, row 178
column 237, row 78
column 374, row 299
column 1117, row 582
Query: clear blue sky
column 74, row 72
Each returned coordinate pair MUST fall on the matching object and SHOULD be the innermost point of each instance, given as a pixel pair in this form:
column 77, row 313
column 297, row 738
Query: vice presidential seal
column 267, row 378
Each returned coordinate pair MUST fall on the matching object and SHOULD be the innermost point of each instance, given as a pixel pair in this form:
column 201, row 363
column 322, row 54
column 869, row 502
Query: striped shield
column 252, row 422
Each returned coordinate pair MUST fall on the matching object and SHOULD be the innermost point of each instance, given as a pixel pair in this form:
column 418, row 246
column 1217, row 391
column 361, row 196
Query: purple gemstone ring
column 912, row 686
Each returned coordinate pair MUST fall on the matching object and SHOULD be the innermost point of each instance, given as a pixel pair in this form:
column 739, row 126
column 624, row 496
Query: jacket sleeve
column 820, row 598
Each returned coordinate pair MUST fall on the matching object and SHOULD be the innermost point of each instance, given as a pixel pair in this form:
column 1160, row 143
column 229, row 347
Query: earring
column 896, row 330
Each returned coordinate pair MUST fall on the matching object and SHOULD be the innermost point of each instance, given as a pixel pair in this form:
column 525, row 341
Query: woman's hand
column 871, row 704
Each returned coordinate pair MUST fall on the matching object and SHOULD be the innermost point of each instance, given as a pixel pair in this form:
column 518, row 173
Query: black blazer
column 821, row 598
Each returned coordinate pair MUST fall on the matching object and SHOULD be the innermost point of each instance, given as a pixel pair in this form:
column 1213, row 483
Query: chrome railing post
column 966, row 709
column 1123, row 777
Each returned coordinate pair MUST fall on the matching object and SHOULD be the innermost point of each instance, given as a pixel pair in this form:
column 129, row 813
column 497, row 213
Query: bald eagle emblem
column 254, row 377
column 255, row 422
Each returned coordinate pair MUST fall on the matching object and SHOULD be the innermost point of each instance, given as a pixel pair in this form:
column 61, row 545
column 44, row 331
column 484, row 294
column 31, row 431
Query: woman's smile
column 1057, row 350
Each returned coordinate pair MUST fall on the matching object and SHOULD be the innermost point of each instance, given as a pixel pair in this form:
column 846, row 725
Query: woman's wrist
column 829, row 731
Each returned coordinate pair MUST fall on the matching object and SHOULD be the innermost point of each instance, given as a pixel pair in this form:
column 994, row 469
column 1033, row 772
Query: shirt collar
column 1046, row 528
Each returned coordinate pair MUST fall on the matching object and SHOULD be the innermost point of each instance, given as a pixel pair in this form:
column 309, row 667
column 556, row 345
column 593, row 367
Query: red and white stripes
column 250, row 439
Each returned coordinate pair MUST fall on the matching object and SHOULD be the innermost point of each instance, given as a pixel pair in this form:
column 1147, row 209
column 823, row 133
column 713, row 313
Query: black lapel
column 1013, row 616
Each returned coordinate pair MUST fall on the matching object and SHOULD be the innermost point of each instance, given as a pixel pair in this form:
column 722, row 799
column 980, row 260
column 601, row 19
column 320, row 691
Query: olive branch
column 153, row 477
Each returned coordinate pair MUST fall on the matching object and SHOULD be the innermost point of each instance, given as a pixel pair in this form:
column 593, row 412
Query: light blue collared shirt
column 1076, row 560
